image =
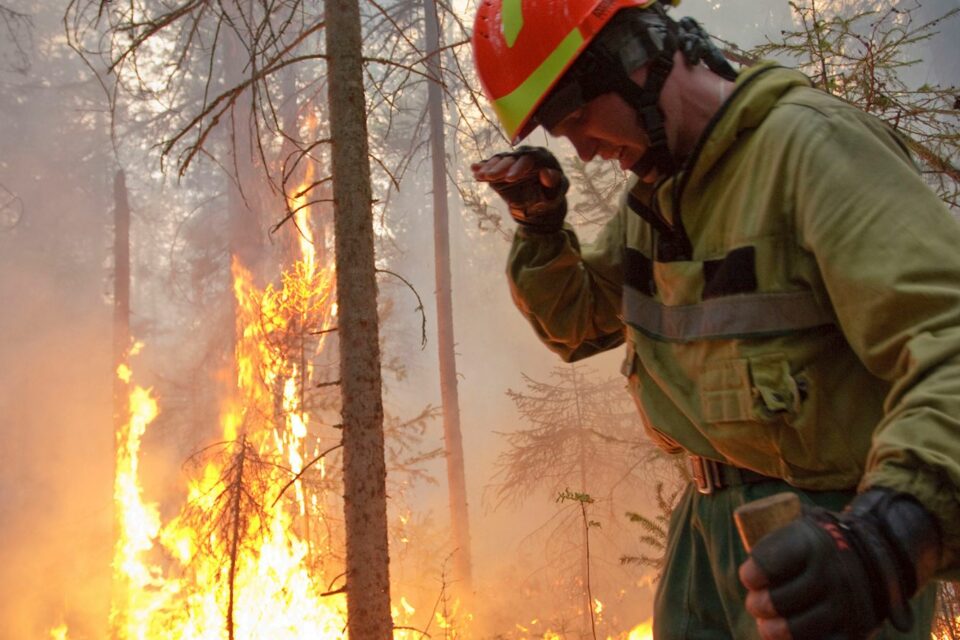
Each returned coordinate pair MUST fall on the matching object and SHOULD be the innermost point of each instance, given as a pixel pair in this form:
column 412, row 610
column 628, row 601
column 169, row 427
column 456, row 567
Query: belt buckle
column 706, row 474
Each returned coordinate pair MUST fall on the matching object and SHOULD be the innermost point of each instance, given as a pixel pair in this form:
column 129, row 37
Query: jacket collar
column 756, row 93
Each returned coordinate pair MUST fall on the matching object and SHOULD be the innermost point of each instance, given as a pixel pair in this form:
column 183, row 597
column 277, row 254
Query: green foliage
column 574, row 496
column 655, row 528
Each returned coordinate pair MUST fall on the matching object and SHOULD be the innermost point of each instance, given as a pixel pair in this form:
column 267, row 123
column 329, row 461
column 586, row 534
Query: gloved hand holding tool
column 531, row 182
column 840, row 576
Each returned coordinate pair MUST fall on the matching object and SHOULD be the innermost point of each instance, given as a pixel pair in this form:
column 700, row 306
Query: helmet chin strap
column 660, row 44
column 645, row 101
column 695, row 44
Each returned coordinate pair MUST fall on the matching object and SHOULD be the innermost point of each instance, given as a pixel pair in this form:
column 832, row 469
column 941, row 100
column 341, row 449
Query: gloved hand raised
column 839, row 576
column 531, row 182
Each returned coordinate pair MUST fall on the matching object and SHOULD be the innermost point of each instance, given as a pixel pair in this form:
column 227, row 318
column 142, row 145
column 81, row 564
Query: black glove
column 841, row 575
column 534, row 206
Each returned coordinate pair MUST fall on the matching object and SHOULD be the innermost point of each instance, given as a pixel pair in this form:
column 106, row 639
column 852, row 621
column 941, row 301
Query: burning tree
column 947, row 624
column 241, row 557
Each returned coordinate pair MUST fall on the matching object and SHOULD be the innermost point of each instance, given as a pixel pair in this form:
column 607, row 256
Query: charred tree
column 452, row 437
column 244, row 226
column 364, row 470
column 236, row 529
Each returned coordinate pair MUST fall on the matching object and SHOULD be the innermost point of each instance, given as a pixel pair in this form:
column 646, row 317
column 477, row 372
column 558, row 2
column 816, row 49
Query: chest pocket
column 759, row 389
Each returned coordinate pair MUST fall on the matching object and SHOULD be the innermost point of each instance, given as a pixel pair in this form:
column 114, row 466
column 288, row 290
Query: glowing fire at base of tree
column 643, row 631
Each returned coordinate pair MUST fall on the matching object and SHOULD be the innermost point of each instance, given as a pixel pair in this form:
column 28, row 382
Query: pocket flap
column 748, row 389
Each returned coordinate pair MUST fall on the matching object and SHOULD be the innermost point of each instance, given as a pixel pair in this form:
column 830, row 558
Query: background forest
column 173, row 395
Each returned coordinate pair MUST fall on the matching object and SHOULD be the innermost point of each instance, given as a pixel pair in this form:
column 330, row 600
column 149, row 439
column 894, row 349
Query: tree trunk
column 244, row 227
column 453, row 441
column 582, row 436
column 364, row 467
column 121, row 295
column 121, row 347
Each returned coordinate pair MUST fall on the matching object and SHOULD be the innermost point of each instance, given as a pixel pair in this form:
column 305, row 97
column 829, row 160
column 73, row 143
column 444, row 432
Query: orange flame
column 643, row 631
column 212, row 567
column 259, row 576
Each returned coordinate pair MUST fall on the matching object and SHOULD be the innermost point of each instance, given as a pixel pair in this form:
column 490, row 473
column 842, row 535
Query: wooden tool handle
column 758, row 518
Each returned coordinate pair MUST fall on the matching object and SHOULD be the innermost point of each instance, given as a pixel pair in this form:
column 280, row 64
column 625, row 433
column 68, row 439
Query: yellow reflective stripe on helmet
column 512, row 15
column 515, row 107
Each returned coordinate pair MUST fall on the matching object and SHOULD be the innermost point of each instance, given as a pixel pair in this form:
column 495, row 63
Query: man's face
column 607, row 127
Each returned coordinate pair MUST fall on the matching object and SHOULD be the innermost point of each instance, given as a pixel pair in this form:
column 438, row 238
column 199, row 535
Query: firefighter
column 788, row 290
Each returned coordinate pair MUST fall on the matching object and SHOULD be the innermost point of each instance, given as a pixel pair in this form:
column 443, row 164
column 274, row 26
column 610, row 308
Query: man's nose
column 586, row 149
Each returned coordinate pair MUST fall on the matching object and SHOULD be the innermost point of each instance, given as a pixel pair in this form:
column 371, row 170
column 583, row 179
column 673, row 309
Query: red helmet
column 522, row 47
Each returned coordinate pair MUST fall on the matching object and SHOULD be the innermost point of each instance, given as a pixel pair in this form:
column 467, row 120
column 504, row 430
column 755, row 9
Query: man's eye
column 573, row 118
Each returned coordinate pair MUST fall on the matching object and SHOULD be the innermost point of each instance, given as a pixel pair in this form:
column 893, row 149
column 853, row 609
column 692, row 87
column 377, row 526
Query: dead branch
column 11, row 209
column 306, row 467
column 419, row 307
column 18, row 41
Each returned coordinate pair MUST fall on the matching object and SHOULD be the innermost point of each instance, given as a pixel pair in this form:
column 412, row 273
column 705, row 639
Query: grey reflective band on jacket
column 737, row 316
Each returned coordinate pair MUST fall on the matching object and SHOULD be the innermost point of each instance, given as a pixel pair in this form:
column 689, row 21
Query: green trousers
column 699, row 596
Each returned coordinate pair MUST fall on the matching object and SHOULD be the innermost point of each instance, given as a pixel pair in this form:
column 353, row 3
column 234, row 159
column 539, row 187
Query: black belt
column 710, row 475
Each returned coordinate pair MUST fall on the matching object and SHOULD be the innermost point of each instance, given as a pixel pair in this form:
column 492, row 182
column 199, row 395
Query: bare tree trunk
column 121, row 347
column 364, row 467
column 453, row 440
column 121, row 288
column 244, row 226
column 236, row 531
column 582, row 463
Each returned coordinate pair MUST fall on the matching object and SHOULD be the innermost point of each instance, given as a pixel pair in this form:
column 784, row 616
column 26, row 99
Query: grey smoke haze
column 56, row 442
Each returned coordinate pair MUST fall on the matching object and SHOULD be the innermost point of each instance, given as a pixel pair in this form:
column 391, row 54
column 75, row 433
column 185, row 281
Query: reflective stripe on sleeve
column 737, row 316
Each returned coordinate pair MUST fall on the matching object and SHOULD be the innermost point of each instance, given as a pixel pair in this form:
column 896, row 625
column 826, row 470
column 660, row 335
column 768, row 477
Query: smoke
column 55, row 456
column 56, row 439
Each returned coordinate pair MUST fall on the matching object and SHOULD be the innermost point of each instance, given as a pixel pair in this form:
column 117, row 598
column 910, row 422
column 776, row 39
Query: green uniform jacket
column 790, row 300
